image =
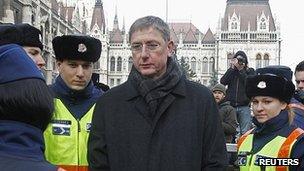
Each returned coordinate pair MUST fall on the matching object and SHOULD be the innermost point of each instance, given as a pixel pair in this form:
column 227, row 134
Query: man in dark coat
column 157, row 120
column 226, row 111
column 235, row 78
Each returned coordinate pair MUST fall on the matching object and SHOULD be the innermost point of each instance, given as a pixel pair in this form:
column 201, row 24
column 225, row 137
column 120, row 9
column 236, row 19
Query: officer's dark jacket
column 77, row 102
column 278, row 125
column 22, row 147
column 235, row 80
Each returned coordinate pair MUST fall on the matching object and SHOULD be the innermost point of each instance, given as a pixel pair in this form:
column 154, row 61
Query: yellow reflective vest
column 279, row 147
column 66, row 139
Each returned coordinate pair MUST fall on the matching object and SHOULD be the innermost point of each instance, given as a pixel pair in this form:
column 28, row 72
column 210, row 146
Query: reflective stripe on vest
column 66, row 138
column 279, row 147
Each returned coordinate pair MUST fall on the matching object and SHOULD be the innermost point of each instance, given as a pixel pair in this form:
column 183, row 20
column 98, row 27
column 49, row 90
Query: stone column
column 8, row 13
column 27, row 12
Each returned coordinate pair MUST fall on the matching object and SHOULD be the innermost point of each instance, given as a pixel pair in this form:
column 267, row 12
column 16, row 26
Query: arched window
column 187, row 60
column 119, row 64
column 112, row 64
column 233, row 26
column 211, row 65
column 263, row 24
column 130, row 63
column 193, row 64
column 258, row 61
column 205, row 65
column 266, row 60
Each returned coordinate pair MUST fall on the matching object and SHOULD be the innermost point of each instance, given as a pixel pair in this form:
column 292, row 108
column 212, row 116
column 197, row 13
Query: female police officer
column 274, row 141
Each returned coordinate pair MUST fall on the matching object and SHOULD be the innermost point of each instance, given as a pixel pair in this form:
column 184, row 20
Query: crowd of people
column 157, row 120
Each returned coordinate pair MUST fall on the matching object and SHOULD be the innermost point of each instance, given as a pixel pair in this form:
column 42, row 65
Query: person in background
column 274, row 137
column 298, row 99
column 235, row 78
column 228, row 118
column 27, row 36
column 157, row 120
column 226, row 111
column 75, row 97
column 26, row 106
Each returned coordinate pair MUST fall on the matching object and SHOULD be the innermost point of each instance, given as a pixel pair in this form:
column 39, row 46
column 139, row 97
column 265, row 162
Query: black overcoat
column 186, row 133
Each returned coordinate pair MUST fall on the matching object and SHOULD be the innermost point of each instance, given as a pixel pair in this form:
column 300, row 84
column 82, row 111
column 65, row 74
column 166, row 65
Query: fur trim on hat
column 21, row 34
column 269, row 85
column 77, row 47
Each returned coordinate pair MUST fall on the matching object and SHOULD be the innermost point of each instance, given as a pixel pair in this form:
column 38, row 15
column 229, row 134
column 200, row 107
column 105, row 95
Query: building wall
column 209, row 57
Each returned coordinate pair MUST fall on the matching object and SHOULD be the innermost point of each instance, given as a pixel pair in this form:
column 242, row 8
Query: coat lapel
column 178, row 92
column 162, row 108
column 142, row 109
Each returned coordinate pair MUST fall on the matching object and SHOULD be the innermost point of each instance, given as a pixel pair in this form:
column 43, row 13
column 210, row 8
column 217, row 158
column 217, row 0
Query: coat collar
column 272, row 124
column 131, row 91
column 62, row 90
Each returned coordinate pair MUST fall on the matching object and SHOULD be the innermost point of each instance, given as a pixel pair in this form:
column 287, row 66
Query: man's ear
column 170, row 47
column 58, row 64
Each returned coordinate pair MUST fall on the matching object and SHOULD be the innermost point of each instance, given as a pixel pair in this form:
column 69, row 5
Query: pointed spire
column 98, row 16
column 123, row 26
column 115, row 24
column 98, row 3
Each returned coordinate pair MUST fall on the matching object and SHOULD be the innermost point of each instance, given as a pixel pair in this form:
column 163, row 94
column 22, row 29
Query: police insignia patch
column 88, row 127
column 61, row 127
column 262, row 85
column 82, row 48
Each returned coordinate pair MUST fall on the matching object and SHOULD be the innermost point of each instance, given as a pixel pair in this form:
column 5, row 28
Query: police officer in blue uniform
column 26, row 107
column 75, row 97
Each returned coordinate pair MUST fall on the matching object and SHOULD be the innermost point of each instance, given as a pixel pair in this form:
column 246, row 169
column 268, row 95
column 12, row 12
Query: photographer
column 235, row 78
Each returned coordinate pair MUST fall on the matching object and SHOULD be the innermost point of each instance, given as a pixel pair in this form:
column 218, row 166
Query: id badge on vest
column 61, row 127
column 242, row 159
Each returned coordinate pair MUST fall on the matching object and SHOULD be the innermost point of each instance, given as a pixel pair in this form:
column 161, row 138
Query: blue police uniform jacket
column 279, row 125
column 299, row 114
column 77, row 102
column 22, row 148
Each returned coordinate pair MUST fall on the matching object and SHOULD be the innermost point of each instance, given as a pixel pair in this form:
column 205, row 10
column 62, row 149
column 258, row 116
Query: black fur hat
column 273, row 81
column 81, row 47
column 21, row 34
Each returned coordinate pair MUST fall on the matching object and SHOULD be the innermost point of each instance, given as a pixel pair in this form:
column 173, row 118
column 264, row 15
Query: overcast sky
column 205, row 13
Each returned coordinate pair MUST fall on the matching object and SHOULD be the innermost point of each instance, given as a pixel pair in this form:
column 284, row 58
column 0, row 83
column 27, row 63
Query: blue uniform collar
column 62, row 90
column 20, row 139
column 272, row 124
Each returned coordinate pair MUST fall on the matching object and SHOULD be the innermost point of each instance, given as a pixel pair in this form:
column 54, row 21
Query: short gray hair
column 153, row 22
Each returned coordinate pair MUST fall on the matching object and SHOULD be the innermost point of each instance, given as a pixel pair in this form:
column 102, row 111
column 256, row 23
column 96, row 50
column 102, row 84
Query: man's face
column 218, row 96
column 299, row 75
column 75, row 73
column 150, row 52
column 35, row 54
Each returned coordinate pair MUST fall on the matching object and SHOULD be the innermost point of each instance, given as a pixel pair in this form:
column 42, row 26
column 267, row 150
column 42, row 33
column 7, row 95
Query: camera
column 241, row 60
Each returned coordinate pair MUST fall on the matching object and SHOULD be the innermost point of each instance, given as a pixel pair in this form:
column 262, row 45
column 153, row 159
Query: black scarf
column 155, row 91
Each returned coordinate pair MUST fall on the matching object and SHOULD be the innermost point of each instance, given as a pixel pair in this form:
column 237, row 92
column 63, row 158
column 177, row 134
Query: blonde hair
column 291, row 114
